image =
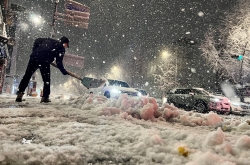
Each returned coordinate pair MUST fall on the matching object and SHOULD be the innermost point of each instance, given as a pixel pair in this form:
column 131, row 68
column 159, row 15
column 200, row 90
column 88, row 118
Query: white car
column 240, row 108
column 142, row 92
column 113, row 89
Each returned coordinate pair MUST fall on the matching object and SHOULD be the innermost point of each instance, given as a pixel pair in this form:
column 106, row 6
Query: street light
column 165, row 54
column 116, row 72
column 36, row 19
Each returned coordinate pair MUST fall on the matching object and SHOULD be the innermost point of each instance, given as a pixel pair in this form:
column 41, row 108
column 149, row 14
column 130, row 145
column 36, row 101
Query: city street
column 88, row 130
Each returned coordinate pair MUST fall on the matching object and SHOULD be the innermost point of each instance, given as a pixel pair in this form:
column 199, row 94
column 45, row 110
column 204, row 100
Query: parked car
column 114, row 88
column 245, row 91
column 199, row 99
column 142, row 92
column 239, row 108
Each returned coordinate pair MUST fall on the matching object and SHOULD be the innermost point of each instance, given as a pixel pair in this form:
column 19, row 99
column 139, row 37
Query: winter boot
column 45, row 100
column 19, row 97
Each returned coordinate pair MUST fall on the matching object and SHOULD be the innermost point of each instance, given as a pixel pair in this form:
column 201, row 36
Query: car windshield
column 118, row 83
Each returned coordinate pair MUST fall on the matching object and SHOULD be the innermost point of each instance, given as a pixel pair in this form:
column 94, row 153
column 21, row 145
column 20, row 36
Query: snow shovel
column 88, row 82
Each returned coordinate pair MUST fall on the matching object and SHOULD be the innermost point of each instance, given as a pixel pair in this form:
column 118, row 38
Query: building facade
column 8, row 23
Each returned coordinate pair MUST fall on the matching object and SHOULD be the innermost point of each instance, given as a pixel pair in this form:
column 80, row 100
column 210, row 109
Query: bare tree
column 165, row 75
column 222, row 44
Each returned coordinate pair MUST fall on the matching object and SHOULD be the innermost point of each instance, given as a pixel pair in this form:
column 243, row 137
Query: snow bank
column 95, row 130
column 243, row 142
column 215, row 138
column 145, row 108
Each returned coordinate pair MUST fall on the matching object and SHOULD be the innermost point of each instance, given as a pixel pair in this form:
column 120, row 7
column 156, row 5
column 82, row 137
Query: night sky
column 117, row 24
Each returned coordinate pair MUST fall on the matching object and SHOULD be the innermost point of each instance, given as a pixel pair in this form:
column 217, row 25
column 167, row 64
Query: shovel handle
column 69, row 73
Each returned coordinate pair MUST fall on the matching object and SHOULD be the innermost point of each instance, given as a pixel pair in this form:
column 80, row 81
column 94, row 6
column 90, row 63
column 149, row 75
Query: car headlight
column 115, row 91
column 214, row 99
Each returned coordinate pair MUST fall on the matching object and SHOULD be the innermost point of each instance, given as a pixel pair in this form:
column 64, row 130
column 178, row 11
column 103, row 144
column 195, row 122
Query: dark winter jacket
column 46, row 50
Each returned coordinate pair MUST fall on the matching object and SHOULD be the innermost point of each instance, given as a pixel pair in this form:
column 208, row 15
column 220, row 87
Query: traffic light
column 238, row 57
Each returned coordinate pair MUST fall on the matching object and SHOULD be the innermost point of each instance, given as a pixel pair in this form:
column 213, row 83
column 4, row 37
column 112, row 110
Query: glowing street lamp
column 115, row 69
column 165, row 54
column 36, row 19
column 115, row 72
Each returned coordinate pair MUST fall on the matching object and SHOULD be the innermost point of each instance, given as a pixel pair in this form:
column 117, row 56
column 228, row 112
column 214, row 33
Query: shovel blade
column 89, row 82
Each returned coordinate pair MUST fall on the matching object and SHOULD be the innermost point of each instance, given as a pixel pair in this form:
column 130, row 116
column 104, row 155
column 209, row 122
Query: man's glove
column 64, row 72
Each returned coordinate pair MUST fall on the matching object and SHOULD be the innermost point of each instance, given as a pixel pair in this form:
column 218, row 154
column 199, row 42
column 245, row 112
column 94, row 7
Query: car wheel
column 169, row 101
column 188, row 108
column 200, row 106
column 176, row 105
column 228, row 112
column 107, row 94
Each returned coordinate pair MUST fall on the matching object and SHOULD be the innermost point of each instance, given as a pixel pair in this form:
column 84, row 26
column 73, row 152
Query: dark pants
column 33, row 65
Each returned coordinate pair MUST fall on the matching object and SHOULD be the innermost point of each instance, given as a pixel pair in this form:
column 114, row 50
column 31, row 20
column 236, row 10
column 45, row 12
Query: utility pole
column 54, row 20
column 176, row 69
column 242, row 99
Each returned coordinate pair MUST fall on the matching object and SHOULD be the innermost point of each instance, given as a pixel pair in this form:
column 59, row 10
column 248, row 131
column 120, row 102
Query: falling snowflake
column 24, row 141
column 193, row 70
column 47, row 83
column 146, row 84
column 93, row 58
column 104, row 62
column 187, row 32
column 135, row 58
column 182, row 9
column 201, row 14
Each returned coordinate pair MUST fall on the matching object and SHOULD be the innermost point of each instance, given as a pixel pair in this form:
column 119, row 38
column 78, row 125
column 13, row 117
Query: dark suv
column 199, row 99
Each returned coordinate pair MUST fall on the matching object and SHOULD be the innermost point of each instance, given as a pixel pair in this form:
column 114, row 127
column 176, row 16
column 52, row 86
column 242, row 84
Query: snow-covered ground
column 95, row 130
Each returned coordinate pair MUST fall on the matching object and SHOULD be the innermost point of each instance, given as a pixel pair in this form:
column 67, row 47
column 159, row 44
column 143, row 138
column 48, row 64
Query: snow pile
column 145, row 108
column 243, row 143
column 215, row 138
column 169, row 111
column 95, row 130
column 208, row 158
column 193, row 118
